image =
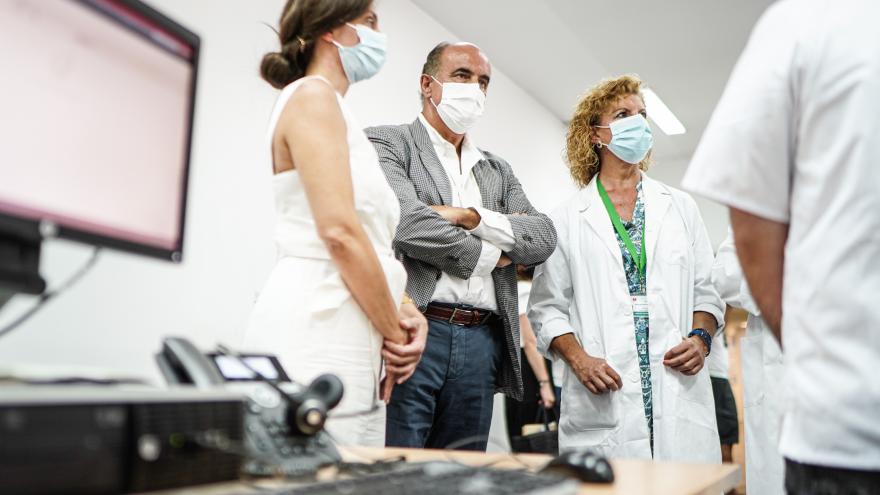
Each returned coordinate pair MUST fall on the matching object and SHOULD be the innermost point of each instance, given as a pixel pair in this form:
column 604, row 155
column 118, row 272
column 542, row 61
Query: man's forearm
column 706, row 321
column 760, row 245
column 569, row 348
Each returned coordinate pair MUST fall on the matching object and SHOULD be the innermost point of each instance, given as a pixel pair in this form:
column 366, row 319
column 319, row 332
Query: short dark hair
column 432, row 63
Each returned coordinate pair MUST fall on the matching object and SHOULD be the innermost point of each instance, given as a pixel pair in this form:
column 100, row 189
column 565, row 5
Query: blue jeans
column 448, row 400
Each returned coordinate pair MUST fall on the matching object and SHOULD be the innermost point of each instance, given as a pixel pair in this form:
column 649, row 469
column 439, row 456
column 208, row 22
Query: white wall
column 115, row 318
column 714, row 214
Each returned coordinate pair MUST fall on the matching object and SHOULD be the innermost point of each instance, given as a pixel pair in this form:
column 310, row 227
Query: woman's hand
column 688, row 357
column 401, row 360
column 548, row 396
column 596, row 374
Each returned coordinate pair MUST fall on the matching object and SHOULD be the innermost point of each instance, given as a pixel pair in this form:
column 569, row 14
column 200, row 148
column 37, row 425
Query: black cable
column 475, row 438
column 46, row 296
column 465, row 441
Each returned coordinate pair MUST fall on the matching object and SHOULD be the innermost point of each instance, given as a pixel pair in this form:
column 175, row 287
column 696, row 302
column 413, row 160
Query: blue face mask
column 363, row 61
column 631, row 138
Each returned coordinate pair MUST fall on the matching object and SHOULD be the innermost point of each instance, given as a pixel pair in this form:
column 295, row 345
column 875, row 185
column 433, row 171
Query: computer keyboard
column 442, row 478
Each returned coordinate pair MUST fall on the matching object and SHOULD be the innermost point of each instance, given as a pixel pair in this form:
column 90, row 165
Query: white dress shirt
column 494, row 229
column 795, row 140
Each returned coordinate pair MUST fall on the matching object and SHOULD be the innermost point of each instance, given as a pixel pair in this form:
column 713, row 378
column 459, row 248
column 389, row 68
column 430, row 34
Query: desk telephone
column 283, row 421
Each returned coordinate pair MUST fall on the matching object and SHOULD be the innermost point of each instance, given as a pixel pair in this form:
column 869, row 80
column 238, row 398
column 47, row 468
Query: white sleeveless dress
column 305, row 314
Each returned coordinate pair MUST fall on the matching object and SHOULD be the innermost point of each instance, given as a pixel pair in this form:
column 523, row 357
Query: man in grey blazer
column 465, row 222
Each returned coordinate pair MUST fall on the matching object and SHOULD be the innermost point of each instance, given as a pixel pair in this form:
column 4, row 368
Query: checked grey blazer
column 428, row 245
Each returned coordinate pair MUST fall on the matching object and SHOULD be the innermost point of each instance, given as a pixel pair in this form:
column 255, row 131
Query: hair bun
column 277, row 70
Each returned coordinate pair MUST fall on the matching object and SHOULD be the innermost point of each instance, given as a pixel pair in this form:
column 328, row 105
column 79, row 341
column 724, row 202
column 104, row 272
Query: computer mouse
column 585, row 465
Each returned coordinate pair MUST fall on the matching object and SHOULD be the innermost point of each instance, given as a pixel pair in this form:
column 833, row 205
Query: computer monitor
column 97, row 101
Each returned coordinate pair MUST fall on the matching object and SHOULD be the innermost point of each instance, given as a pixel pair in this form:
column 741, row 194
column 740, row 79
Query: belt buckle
column 452, row 316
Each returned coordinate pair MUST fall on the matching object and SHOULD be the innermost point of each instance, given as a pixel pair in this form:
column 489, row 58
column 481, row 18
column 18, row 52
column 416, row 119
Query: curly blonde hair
column 583, row 156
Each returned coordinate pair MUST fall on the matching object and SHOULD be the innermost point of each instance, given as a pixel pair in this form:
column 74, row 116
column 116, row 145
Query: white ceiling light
column 661, row 114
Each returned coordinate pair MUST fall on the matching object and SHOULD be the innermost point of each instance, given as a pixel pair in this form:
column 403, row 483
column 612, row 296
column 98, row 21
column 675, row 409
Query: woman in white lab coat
column 626, row 300
column 762, row 371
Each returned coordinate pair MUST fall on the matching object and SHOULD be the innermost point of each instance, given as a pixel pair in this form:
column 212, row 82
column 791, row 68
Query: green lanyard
column 639, row 257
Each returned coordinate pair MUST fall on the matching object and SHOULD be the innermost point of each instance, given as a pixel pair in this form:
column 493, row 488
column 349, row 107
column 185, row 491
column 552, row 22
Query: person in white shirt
column 761, row 365
column 793, row 149
column 465, row 222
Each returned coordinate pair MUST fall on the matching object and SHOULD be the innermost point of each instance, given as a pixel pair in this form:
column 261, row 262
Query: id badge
column 640, row 306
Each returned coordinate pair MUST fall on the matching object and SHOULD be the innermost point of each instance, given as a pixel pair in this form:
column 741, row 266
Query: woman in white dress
column 335, row 300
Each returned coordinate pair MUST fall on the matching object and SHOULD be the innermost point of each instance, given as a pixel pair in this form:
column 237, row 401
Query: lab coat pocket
column 583, row 410
column 752, row 358
column 694, row 388
column 676, row 258
column 695, row 430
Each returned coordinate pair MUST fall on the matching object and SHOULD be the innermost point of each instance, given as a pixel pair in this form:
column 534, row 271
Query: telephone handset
column 183, row 364
column 283, row 421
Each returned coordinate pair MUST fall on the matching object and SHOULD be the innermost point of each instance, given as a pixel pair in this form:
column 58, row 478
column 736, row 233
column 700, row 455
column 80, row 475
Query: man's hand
column 688, row 357
column 401, row 360
column 503, row 261
column 596, row 374
column 466, row 218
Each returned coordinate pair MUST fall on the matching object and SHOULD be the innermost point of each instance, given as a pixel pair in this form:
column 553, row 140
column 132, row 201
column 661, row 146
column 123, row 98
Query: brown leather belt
column 458, row 316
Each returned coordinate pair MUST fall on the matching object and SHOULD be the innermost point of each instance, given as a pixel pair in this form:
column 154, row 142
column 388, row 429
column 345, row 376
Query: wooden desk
column 632, row 477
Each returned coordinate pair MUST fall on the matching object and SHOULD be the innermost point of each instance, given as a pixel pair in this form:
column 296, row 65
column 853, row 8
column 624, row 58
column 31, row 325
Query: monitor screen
column 97, row 106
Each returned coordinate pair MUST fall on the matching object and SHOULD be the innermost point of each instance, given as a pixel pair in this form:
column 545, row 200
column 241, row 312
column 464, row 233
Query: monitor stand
column 5, row 296
column 20, row 263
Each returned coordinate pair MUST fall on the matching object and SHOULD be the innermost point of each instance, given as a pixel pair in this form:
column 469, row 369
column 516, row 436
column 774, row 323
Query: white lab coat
column 762, row 371
column 582, row 289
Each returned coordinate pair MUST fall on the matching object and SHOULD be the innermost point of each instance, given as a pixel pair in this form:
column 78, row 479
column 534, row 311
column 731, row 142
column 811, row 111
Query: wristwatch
column 704, row 336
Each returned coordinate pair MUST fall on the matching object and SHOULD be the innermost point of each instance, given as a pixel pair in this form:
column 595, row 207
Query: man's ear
column 425, row 85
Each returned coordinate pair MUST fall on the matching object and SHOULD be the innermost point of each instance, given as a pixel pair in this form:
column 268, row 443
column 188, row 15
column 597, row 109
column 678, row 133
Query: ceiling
column 556, row 49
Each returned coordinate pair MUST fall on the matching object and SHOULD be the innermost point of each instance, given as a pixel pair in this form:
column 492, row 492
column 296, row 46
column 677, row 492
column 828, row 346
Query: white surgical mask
column 631, row 138
column 461, row 105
